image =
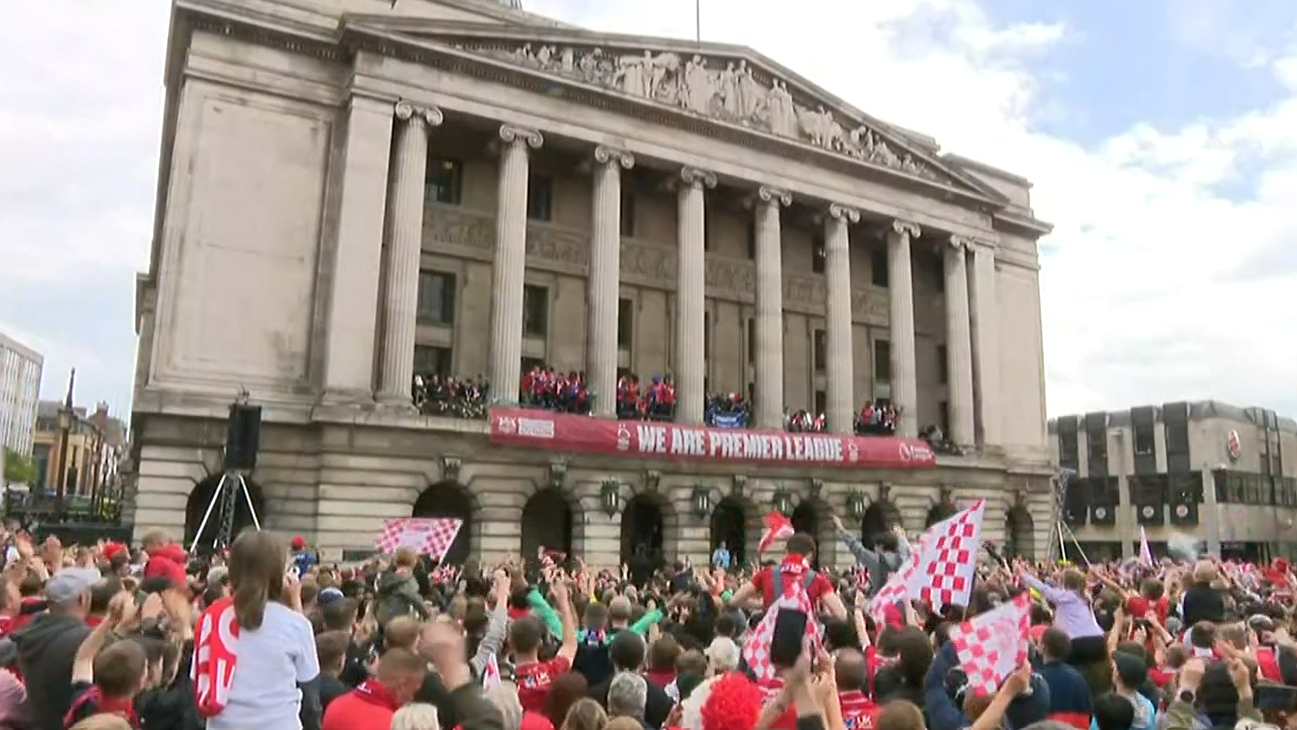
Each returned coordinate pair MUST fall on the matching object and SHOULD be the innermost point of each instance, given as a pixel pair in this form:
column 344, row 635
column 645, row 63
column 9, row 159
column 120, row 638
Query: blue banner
column 730, row 420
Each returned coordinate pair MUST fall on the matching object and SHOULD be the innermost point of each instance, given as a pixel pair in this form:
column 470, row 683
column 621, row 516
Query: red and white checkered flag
column 756, row 650
column 778, row 527
column 993, row 644
column 431, row 536
column 941, row 568
column 491, row 673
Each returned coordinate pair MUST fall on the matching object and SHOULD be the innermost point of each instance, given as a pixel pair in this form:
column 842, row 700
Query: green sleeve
column 641, row 627
column 546, row 612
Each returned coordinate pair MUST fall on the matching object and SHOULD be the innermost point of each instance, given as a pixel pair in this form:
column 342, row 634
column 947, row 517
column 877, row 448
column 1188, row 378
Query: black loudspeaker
column 243, row 438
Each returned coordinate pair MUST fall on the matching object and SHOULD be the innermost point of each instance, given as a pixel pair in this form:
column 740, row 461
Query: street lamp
column 856, row 505
column 610, row 497
column 702, row 501
column 783, row 501
column 65, row 420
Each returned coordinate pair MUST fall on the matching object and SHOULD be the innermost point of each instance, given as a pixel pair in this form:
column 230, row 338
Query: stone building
column 20, row 385
column 1207, row 474
column 349, row 187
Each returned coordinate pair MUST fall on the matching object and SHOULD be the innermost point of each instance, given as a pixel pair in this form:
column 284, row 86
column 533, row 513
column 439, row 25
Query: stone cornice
column 1024, row 225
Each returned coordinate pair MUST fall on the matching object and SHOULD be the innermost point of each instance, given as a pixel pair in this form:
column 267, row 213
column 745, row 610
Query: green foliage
column 19, row 468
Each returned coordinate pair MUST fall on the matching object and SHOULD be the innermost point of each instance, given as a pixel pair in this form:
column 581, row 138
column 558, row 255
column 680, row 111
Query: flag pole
column 698, row 21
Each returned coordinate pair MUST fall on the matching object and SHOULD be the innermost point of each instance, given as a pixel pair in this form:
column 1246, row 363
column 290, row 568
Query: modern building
column 20, row 386
column 1203, row 474
column 351, row 188
column 96, row 445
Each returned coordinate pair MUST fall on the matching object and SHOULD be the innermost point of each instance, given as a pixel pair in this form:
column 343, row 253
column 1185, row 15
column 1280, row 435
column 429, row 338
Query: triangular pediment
column 732, row 85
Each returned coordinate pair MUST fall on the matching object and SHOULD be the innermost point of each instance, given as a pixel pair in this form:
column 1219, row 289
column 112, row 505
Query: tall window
column 817, row 252
column 819, row 349
column 943, row 417
column 882, row 361
column 707, row 337
column 540, row 197
column 878, row 266
column 432, row 360
column 444, row 181
column 1145, row 442
column 943, row 365
column 535, row 311
column 752, row 340
column 531, row 363
column 821, row 402
column 627, row 212
column 436, row 297
column 752, row 237
column 625, row 323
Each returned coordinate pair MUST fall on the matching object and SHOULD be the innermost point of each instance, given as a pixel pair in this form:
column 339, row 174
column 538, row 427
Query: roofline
column 1286, row 423
column 989, row 169
column 12, row 344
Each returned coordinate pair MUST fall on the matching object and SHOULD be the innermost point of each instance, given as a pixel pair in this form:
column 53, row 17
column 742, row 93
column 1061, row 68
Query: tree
column 19, row 468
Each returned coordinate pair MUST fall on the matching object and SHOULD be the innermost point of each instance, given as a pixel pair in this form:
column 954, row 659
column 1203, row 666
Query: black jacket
column 1203, row 603
column 656, row 708
column 47, row 648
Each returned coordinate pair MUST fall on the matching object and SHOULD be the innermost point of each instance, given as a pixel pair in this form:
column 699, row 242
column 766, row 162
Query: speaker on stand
column 242, row 441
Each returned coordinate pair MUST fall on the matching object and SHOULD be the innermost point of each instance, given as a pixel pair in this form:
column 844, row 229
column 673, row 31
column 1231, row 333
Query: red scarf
column 373, row 692
column 216, row 650
column 99, row 705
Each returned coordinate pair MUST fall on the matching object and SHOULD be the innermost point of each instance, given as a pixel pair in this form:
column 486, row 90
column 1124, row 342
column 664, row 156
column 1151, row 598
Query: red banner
column 656, row 440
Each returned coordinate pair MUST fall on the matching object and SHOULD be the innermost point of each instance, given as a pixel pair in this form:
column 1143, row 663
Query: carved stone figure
column 662, row 71
column 780, row 110
column 752, row 95
column 699, row 87
column 633, row 73
column 731, row 103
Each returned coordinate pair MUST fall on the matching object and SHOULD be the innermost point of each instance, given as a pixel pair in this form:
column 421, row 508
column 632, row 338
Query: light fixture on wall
column 856, row 505
column 783, row 501
column 701, row 501
column 610, row 496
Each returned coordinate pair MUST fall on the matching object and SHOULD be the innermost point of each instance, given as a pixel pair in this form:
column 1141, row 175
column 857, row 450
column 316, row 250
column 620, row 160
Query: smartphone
column 789, row 638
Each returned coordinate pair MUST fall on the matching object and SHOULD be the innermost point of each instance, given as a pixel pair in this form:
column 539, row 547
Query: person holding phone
column 772, row 582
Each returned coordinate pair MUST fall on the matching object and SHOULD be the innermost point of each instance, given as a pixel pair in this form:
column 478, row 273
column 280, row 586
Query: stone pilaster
column 905, row 389
column 404, row 243
column 510, row 266
column 986, row 345
column 839, row 372
column 691, row 365
column 357, row 210
column 770, row 308
column 959, row 347
column 604, row 283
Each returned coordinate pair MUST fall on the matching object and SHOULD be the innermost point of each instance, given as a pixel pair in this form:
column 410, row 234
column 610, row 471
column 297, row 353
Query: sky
column 1160, row 136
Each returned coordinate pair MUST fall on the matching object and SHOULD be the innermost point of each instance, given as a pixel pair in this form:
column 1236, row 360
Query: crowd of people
column 443, row 395
column 108, row 638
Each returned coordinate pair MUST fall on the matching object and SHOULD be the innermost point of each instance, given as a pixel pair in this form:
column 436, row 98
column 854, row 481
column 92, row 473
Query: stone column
column 604, row 282
column 905, row 389
column 510, row 266
column 770, row 308
column 359, row 170
column 959, row 347
column 691, row 308
column 986, row 345
column 839, row 372
column 404, row 244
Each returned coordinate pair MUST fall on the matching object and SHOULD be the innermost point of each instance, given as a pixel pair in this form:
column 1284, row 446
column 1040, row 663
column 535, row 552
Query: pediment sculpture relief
column 726, row 89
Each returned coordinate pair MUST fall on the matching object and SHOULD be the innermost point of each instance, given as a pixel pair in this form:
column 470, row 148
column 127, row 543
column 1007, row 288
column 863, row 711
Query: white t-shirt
column 272, row 661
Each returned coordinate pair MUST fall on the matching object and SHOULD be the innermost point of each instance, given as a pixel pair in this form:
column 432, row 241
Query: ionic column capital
column 698, row 177
column 844, row 213
column 606, row 155
column 960, row 243
column 906, row 228
column 774, row 195
column 409, row 111
column 513, row 134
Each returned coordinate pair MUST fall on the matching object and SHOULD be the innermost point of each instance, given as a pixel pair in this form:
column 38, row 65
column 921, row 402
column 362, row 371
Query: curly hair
column 734, row 703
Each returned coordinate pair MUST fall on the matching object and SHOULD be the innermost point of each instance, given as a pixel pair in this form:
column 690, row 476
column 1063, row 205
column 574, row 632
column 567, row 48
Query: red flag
column 777, row 528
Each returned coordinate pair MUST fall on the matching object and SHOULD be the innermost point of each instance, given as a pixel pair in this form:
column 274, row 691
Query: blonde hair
column 103, row 721
column 405, row 558
column 416, row 716
column 505, row 698
column 585, row 714
column 257, row 563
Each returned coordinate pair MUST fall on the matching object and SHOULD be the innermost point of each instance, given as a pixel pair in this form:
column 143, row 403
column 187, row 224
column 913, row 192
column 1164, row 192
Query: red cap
column 535, row 721
column 298, row 543
column 112, row 550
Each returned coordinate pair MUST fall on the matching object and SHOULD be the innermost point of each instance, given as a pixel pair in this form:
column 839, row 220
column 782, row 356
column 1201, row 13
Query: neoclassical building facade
column 352, row 191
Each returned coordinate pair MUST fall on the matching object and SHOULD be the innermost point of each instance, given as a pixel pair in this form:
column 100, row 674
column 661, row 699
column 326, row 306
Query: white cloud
column 1158, row 288
column 1139, row 297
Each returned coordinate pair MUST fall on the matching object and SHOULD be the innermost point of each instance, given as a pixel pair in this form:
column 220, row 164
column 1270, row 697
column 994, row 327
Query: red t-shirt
column 770, row 691
column 858, row 711
column 792, row 568
column 534, row 681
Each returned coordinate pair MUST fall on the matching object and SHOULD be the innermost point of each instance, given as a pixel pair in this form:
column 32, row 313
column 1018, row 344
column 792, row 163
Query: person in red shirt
column 770, row 583
column 852, row 674
column 533, row 676
column 371, row 705
column 166, row 559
